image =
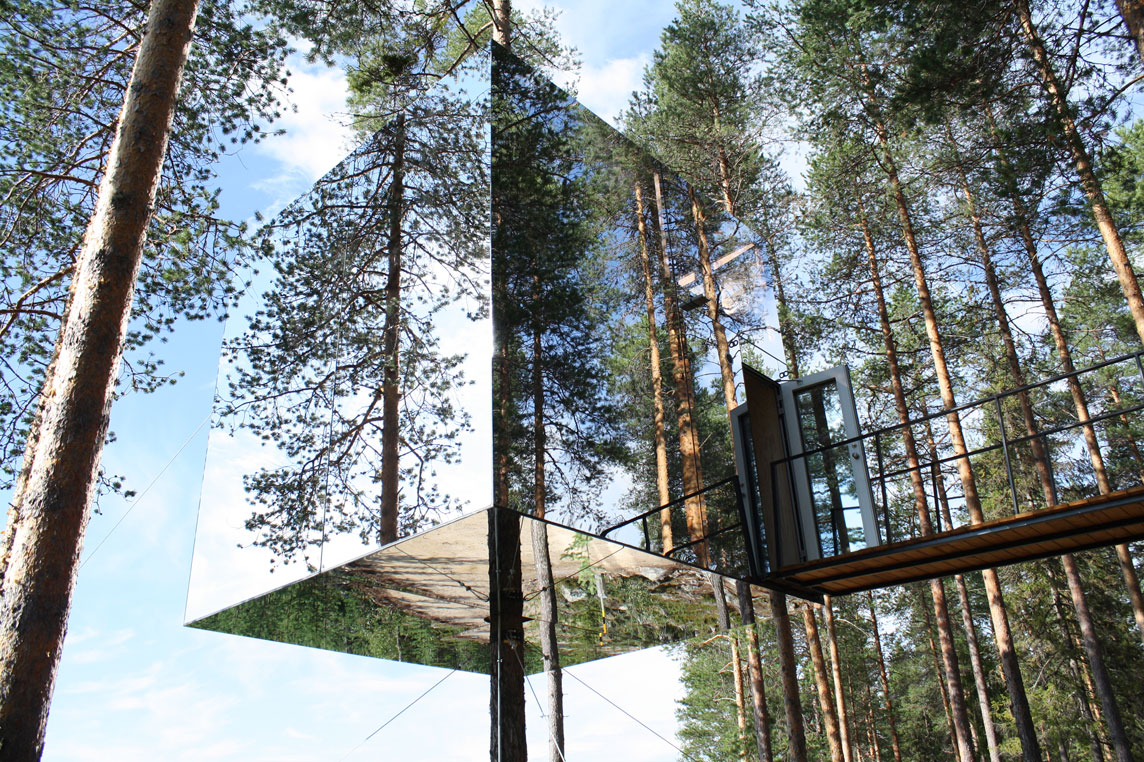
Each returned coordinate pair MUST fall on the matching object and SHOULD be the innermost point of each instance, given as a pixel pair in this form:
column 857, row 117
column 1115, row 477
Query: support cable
column 394, row 717
column 631, row 717
column 147, row 489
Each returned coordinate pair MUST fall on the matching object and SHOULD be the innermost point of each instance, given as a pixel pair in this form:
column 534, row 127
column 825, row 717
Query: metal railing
column 883, row 474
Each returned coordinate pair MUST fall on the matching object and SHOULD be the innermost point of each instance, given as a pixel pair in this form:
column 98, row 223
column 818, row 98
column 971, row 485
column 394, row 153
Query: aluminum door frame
column 840, row 375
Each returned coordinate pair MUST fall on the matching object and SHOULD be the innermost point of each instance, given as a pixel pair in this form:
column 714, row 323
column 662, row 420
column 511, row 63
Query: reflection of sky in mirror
column 227, row 565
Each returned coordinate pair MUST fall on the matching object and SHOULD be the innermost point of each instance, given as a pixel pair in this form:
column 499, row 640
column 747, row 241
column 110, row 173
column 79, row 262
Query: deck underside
column 1094, row 522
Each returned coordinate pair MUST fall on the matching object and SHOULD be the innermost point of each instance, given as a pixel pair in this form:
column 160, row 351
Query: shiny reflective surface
column 424, row 600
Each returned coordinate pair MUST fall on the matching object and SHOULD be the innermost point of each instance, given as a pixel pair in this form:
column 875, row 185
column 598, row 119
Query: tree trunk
column 740, row 697
column 954, row 736
column 502, row 22
column 549, row 646
column 788, row 667
column 661, row 474
column 1019, row 702
column 711, row 294
column 762, row 716
column 1089, row 182
column 937, row 590
column 1100, row 676
column 1091, row 644
column 836, row 670
column 1132, row 11
column 54, row 501
column 689, row 446
column 506, row 638
column 885, row 677
column 391, row 386
column 821, row 681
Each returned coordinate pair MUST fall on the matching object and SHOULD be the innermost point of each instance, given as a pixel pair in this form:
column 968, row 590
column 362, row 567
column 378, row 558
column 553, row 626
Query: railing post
column 1005, row 451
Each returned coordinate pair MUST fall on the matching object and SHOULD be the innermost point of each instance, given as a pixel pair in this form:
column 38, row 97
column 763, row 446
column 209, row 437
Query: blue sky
column 134, row 684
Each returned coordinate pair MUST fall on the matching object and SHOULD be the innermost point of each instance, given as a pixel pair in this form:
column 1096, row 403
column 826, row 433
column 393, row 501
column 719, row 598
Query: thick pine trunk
column 54, row 501
column 689, row 445
column 502, row 22
column 661, row 474
column 822, row 683
column 391, row 386
column 836, row 673
column 885, row 678
column 1089, row 182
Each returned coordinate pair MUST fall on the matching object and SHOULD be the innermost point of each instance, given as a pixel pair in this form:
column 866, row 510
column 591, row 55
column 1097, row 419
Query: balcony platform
column 1090, row 523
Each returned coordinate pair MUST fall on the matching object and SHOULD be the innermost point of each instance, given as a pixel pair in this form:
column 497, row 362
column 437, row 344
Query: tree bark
column 952, row 686
column 54, row 503
column 391, row 387
column 689, row 446
column 822, row 682
column 885, row 677
column 711, row 294
column 506, row 639
column 661, row 475
column 788, row 668
column 502, row 22
column 954, row 736
column 1018, row 700
column 836, row 670
column 1089, row 182
column 762, row 716
column 1132, row 11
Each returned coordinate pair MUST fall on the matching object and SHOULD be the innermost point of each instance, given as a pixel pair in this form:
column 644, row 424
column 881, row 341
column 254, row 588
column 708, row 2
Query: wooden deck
column 1094, row 522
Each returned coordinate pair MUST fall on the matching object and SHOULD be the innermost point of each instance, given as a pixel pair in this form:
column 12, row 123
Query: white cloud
column 607, row 88
column 316, row 136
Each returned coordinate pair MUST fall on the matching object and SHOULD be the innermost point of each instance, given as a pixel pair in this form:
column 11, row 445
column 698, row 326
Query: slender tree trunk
column 836, row 670
column 1086, row 693
column 1132, row 11
column 1123, row 554
column 711, row 294
column 885, row 677
column 1089, row 182
column 62, row 461
column 937, row 665
column 391, row 385
column 952, row 686
column 788, row 669
column 549, row 646
column 684, row 391
column 661, row 474
column 788, row 665
column 1100, row 676
column 1019, row 702
column 822, row 682
column 740, row 697
column 762, row 716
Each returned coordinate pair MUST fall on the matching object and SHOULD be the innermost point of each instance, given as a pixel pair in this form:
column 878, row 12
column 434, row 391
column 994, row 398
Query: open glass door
column 831, row 486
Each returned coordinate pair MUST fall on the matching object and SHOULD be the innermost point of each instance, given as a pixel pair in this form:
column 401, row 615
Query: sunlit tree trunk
column 502, row 22
column 1018, row 700
column 684, row 390
column 1132, row 11
column 822, row 683
column 952, row 683
column 661, row 474
column 836, row 673
column 762, row 716
column 788, row 670
column 1086, row 174
column 61, row 465
column 954, row 738
column 711, row 294
column 885, row 678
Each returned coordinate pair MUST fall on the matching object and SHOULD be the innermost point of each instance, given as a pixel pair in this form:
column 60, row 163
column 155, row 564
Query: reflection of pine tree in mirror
column 385, row 249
